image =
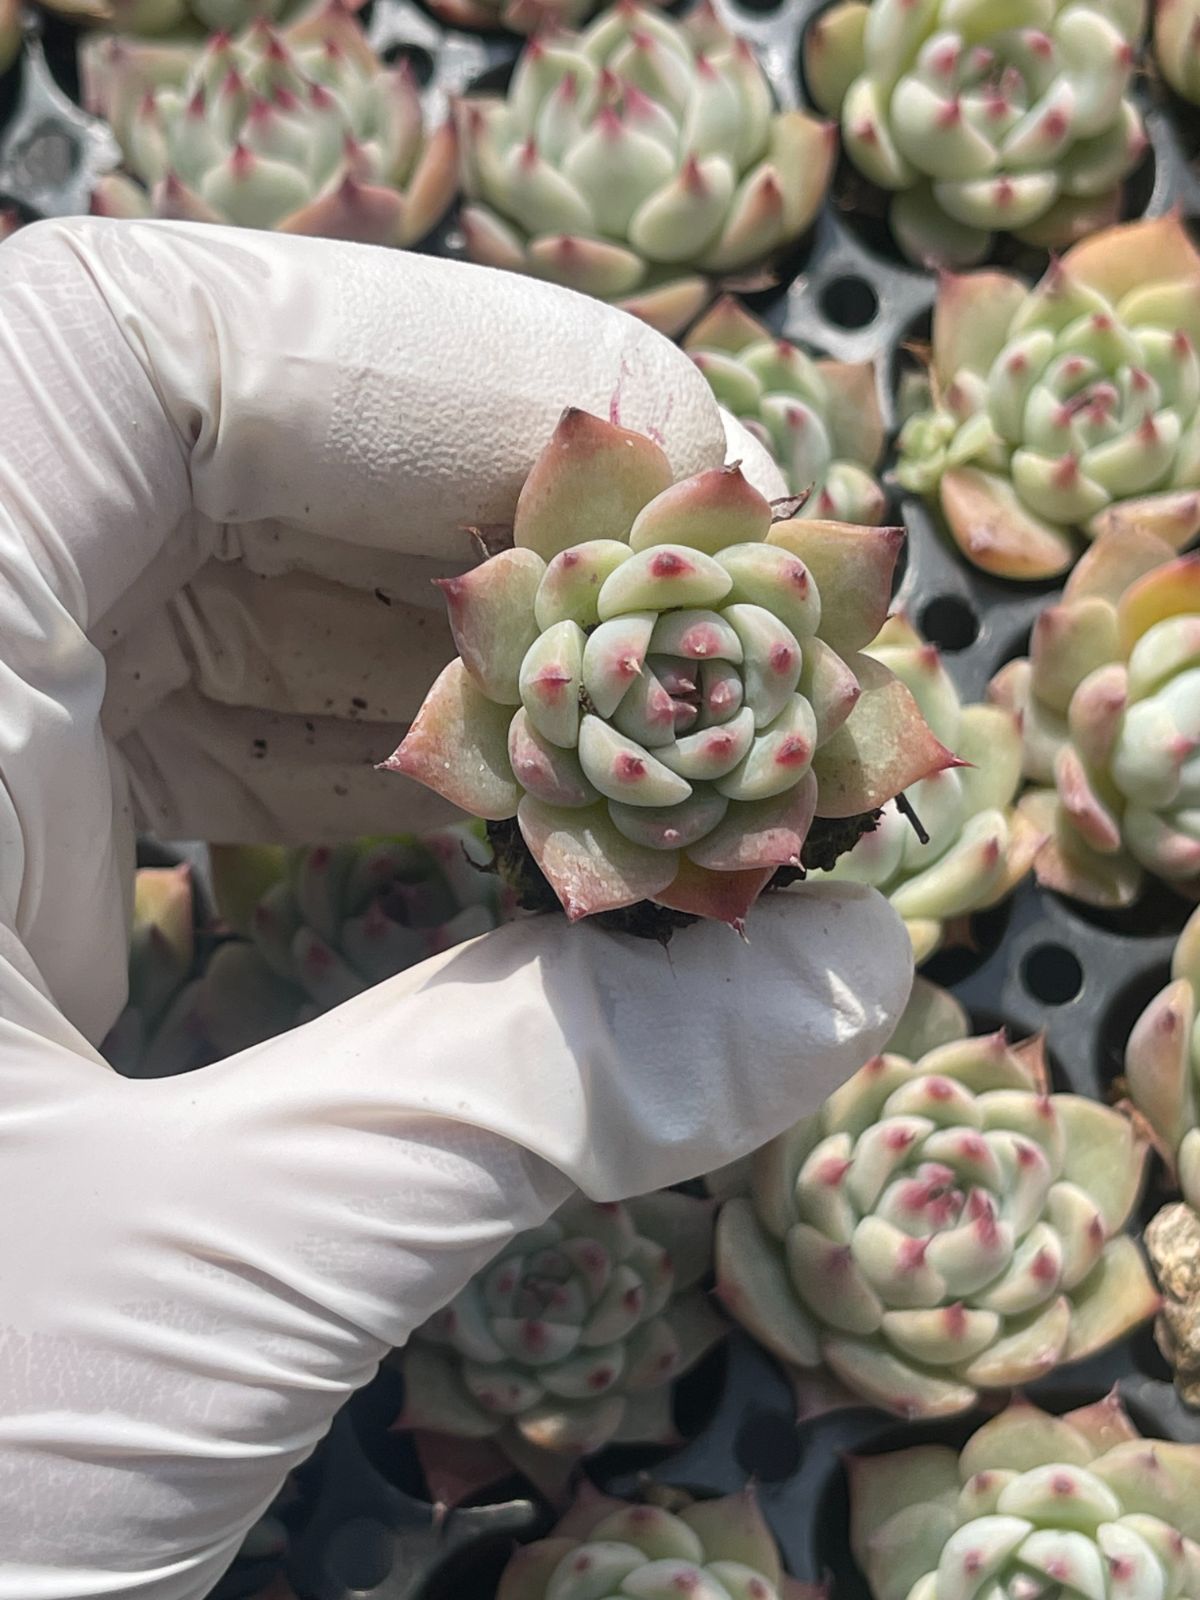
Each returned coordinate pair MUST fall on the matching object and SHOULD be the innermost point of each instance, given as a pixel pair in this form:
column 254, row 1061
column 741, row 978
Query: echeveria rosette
column 1109, row 700
column 1011, row 117
column 1066, row 410
column 979, row 847
column 717, row 1549
column 1034, row 1506
column 820, row 420
column 1177, row 46
column 662, row 685
column 320, row 924
column 941, row 1227
column 304, row 131
column 640, row 161
column 572, row 1338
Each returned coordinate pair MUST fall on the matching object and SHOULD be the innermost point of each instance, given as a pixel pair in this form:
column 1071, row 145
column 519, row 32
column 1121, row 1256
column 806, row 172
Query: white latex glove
column 223, row 453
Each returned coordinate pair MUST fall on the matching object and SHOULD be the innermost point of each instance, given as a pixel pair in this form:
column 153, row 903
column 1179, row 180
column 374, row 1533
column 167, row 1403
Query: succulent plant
column 978, row 847
column 1109, row 699
column 662, row 686
column 518, row 16
column 941, row 1227
column 1015, row 119
column 1035, row 1505
column 1065, row 410
column 1162, row 1064
column 711, row 1549
column 820, row 420
column 1177, row 46
column 160, row 1032
column 639, row 161
column 572, row 1338
column 182, row 19
column 10, row 33
column 304, row 132
column 322, row 924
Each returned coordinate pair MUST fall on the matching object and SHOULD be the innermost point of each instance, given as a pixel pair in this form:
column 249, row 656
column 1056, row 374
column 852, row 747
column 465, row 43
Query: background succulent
column 187, row 19
column 941, row 1227
column 322, row 924
column 1162, row 1064
column 1109, row 700
column 304, row 131
column 1069, row 409
column 639, row 161
column 674, row 1545
column 572, row 1337
column 160, row 1032
column 663, row 687
column 518, row 16
column 1044, row 1505
column 1014, row 119
column 820, row 420
column 1177, row 45
column 979, row 847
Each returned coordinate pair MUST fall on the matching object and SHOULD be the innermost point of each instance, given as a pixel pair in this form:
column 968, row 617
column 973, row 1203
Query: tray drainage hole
column 419, row 60
column 768, row 1446
column 1052, row 974
column 949, row 623
column 358, row 1554
column 850, row 302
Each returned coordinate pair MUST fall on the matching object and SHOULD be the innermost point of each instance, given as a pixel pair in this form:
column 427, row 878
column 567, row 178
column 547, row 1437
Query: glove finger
column 241, row 775
column 294, row 645
column 374, row 397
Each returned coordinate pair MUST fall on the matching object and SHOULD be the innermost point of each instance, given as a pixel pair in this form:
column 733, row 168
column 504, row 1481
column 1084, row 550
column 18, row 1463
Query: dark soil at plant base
column 828, row 838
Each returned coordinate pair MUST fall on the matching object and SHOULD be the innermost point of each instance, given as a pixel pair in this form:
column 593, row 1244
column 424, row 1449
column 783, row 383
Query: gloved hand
column 229, row 464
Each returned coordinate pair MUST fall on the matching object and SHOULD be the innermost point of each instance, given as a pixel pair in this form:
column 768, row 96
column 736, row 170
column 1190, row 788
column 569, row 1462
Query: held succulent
column 304, row 132
column 941, row 1227
column 638, row 161
column 1177, row 46
column 820, row 420
column 572, row 1337
column 1162, row 1065
column 663, row 687
column 1014, row 118
column 978, row 847
column 1109, row 700
column 603, row 1547
column 1035, row 1505
column 322, row 924
column 1065, row 410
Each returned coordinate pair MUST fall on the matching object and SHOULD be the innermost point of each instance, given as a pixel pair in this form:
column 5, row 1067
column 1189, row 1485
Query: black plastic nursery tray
column 363, row 1526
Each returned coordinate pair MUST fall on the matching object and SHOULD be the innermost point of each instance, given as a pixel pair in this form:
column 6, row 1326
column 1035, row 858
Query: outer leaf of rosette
column 883, row 746
column 590, row 865
column 852, row 568
column 458, row 746
column 589, row 482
